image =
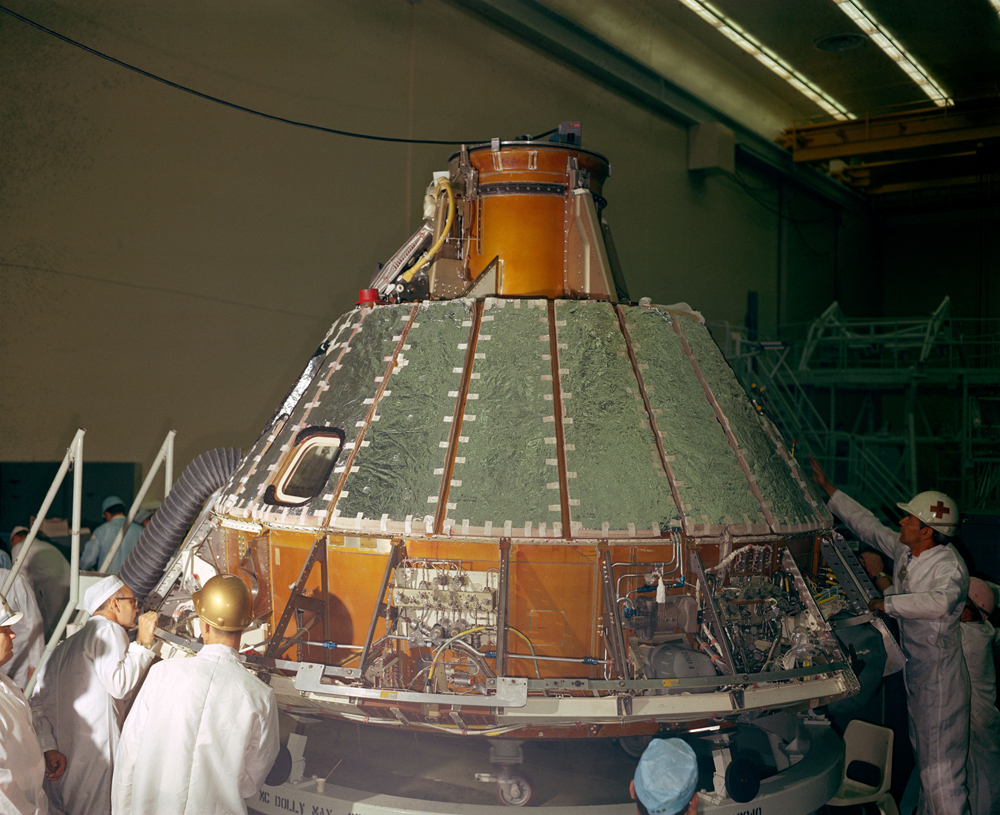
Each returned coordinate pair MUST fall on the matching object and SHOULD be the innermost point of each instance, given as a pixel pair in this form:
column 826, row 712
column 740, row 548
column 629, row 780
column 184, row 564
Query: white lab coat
column 927, row 597
column 983, row 768
column 48, row 573
column 79, row 703
column 29, row 634
column 22, row 765
column 200, row 738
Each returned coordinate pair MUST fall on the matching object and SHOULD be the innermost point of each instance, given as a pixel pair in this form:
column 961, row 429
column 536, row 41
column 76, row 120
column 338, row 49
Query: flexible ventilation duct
column 172, row 521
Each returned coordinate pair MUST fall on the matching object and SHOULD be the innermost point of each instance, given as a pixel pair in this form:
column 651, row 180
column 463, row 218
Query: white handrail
column 166, row 454
column 74, row 456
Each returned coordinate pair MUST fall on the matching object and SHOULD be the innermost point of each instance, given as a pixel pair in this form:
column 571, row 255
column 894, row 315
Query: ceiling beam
column 896, row 132
column 563, row 40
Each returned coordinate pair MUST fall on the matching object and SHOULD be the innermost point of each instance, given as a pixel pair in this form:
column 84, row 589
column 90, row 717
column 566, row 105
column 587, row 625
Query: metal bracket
column 511, row 691
column 390, row 564
column 279, row 643
column 713, row 613
column 502, row 604
column 612, row 624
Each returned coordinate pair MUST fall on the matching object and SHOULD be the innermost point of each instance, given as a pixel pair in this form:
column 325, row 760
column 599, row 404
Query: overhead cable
column 235, row 106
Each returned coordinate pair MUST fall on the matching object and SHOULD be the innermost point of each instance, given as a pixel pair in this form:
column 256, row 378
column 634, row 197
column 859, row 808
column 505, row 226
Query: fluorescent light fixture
column 864, row 20
column 763, row 55
column 705, row 729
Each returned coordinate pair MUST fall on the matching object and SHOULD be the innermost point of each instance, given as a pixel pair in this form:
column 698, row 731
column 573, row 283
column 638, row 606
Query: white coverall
column 29, row 639
column 48, row 573
column 927, row 596
column 983, row 768
column 22, row 765
column 201, row 736
column 79, row 703
column 99, row 545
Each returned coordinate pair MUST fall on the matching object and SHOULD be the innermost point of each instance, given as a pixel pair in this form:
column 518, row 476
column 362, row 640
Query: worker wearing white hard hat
column 983, row 767
column 926, row 594
column 23, row 766
column 83, row 691
column 203, row 733
column 666, row 779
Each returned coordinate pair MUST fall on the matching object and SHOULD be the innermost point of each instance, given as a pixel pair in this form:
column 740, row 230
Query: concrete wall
column 169, row 262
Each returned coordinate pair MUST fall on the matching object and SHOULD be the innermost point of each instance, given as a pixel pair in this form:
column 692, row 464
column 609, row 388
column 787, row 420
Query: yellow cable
column 441, row 182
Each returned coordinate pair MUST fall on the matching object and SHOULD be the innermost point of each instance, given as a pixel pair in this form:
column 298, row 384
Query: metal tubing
column 168, row 465
column 43, row 510
column 75, row 455
column 612, row 624
column 168, row 444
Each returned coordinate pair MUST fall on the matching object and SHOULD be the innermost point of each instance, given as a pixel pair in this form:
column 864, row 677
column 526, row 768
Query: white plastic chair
column 872, row 745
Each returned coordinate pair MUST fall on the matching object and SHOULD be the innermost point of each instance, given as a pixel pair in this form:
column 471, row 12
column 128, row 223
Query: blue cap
column 111, row 501
column 667, row 776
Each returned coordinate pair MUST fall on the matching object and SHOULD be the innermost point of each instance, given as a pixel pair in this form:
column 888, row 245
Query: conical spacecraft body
column 503, row 499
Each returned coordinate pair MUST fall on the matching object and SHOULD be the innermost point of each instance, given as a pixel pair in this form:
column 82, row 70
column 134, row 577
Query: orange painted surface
column 555, row 594
column 526, row 229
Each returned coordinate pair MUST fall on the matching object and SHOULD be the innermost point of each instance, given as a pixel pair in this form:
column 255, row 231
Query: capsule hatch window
column 309, row 468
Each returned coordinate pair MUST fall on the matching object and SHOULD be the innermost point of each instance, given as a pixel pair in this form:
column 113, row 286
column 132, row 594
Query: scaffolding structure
column 888, row 406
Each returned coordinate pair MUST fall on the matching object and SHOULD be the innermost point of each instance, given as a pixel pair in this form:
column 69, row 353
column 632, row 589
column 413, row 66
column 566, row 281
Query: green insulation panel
column 616, row 482
column 789, row 503
column 713, row 489
column 396, row 478
column 506, row 475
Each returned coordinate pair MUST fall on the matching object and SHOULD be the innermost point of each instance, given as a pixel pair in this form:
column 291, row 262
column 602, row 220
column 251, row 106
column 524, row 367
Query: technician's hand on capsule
column 877, row 605
column 55, row 765
column 872, row 563
column 147, row 624
column 820, row 478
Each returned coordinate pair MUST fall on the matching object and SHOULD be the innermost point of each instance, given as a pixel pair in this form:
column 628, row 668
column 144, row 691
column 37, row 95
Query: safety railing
column 74, row 460
column 164, row 458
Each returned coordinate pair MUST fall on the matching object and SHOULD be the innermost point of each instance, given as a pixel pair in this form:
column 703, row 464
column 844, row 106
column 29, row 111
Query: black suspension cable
column 245, row 109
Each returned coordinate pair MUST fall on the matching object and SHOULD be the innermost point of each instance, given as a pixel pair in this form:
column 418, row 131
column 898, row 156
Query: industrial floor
column 442, row 768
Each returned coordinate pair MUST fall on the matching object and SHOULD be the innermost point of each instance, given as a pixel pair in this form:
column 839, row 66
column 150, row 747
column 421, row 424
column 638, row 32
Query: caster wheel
column 281, row 769
column 742, row 781
column 634, row 745
column 515, row 791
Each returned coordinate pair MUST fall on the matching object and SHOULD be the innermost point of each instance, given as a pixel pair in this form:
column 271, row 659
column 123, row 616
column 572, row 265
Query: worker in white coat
column 926, row 594
column 83, row 691
column 23, row 766
column 983, row 767
column 47, row 571
column 29, row 631
column 203, row 732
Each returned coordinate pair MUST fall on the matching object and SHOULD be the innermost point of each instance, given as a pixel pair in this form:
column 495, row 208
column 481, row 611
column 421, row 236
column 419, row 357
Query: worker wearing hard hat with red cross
column 927, row 594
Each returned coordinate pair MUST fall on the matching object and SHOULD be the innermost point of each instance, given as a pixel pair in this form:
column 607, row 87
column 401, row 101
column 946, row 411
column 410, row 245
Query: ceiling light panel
column 730, row 29
column 864, row 20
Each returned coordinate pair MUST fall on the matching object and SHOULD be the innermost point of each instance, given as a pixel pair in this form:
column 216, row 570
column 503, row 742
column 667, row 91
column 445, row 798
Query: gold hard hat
column 224, row 602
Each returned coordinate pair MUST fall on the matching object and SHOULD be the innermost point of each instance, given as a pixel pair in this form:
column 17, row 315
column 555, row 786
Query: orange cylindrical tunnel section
column 519, row 212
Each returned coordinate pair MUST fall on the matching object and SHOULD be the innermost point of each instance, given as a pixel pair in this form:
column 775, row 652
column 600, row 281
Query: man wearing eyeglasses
column 83, row 691
column 926, row 594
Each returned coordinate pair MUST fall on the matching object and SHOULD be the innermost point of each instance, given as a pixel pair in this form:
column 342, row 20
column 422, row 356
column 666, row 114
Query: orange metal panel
column 526, row 231
column 552, row 601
